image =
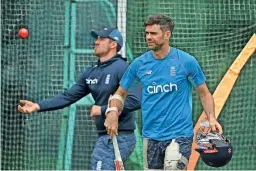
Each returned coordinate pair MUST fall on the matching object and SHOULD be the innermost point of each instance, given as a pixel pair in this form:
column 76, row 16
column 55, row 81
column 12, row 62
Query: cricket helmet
column 214, row 149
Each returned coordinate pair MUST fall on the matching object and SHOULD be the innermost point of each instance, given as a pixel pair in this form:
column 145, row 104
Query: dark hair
column 165, row 22
column 118, row 48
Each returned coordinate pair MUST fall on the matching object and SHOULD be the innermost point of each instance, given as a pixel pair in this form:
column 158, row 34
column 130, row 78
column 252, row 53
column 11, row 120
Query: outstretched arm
column 208, row 105
column 76, row 92
column 65, row 99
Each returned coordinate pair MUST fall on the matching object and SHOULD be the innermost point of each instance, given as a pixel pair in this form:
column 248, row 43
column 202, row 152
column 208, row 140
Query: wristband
column 109, row 109
column 117, row 97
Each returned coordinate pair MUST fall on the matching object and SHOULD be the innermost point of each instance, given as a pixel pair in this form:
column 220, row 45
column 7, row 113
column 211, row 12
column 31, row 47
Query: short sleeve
column 195, row 72
column 130, row 74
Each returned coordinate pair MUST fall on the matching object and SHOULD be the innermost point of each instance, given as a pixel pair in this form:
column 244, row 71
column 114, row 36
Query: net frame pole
column 62, row 143
column 72, row 108
column 121, row 22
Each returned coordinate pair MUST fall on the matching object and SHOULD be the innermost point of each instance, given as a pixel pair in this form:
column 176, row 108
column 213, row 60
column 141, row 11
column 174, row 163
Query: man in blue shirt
column 167, row 75
column 101, row 81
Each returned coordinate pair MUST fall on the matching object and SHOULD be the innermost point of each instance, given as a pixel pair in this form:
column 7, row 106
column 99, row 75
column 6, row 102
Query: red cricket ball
column 23, row 33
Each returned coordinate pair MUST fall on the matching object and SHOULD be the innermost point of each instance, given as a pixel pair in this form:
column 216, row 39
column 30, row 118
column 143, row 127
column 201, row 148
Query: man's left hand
column 95, row 111
column 215, row 125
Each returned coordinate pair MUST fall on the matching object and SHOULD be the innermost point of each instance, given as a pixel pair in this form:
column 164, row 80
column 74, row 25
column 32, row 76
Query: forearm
column 126, row 109
column 131, row 104
column 76, row 92
column 58, row 102
column 116, row 102
column 132, row 101
column 208, row 104
column 118, row 99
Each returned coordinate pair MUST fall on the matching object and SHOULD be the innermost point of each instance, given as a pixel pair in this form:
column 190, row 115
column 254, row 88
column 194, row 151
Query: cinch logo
column 91, row 81
column 159, row 88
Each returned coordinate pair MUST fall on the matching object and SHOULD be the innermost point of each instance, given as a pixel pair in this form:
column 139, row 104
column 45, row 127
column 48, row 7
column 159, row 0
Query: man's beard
column 157, row 47
column 95, row 53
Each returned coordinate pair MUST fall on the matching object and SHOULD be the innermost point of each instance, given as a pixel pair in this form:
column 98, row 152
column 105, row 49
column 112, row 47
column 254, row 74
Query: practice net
column 59, row 48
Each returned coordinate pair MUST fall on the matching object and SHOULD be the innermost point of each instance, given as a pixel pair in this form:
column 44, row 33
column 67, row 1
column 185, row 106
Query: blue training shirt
column 101, row 81
column 167, row 92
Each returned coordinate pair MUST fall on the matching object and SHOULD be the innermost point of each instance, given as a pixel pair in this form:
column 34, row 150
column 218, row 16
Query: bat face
column 119, row 165
column 118, row 160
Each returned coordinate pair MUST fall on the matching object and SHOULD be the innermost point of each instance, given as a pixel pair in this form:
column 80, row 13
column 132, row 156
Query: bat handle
column 116, row 148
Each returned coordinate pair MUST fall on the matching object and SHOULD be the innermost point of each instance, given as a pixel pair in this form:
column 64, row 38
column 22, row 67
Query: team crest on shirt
column 172, row 71
column 107, row 79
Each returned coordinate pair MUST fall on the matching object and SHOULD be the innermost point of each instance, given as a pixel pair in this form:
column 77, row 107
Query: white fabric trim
column 117, row 97
column 109, row 109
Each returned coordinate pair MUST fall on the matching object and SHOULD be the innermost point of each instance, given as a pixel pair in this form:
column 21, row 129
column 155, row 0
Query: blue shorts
column 103, row 155
column 156, row 151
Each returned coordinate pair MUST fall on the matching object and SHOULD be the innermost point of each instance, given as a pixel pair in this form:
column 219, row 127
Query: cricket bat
column 223, row 91
column 118, row 160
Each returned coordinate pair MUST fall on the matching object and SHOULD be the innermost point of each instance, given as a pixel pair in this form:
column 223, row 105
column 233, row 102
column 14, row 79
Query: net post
column 121, row 23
